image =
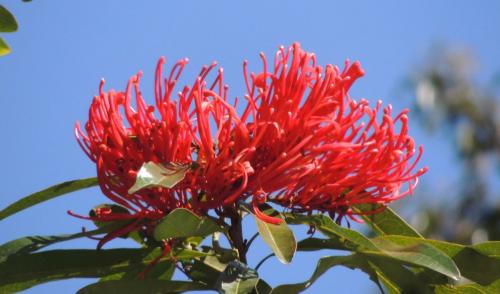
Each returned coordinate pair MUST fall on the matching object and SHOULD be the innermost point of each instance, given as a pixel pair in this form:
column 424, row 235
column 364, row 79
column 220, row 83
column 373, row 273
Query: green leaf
column 324, row 264
column 158, row 175
column 475, row 264
column 8, row 23
column 313, row 244
column 385, row 222
column 237, row 278
column 279, row 237
column 47, row 194
column 4, row 48
column 200, row 272
column 33, row 243
column 418, row 254
column 114, row 225
column 163, row 270
column 182, row 223
column 22, row 271
column 262, row 287
column 146, row 286
column 351, row 239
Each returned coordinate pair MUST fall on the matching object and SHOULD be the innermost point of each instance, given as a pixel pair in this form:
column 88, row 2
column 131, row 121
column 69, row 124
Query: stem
column 263, row 260
column 236, row 235
column 249, row 242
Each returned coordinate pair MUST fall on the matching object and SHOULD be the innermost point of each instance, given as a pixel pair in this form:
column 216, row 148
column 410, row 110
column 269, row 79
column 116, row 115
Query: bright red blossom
column 300, row 142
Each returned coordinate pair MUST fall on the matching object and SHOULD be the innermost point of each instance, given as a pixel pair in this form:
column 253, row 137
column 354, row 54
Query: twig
column 263, row 260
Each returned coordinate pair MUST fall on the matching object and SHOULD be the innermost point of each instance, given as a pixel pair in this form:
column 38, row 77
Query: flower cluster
column 300, row 142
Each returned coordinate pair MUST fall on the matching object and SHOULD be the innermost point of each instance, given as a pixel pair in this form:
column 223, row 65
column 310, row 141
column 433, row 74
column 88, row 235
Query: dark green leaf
column 385, row 222
column 47, row 194
column 279, row 238
column 33, row 243
column 262, row 287
column 324, row 264
column 313, row 244
column 237, row 278
column 158, row 175
column 200, row 272
column 22, row 271
column 163, row 270
column 182, row 223
column 146, row 286
column 8, row 22
column 351, row 239
column 4, row 48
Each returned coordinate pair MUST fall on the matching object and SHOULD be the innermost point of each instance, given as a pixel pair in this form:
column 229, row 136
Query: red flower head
column 300, row 142
column 318, row 149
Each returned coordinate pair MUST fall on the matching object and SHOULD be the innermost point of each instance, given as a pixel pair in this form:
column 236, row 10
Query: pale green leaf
column 158, row 175
column 279, row 237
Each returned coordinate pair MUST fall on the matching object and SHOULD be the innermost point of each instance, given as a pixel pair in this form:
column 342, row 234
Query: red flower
column 300, row 142
column 318, row 149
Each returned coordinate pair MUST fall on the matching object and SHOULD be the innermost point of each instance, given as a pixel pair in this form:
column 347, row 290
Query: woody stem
column 236, row 235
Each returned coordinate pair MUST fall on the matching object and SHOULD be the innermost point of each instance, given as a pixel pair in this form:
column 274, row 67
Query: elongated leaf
column 279, row 238
column 324, row 264
column 313, row 244
column 351, row 239
column 47, row 194
column 385, row 222
column 418, row 254
column 396, row 277
column 22, row 271
column 4, row 48
column 8, row 22
column 33, row 243
column 158, row 175
column 182, row 223
column 471, row 288
column 146, row 286
column 475, row 265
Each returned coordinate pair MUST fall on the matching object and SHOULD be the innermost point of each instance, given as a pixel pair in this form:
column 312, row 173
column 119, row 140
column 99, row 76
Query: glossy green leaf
column 385, row 222
column 22, row 271
column 146, row 286
column 324, row 264
column 278, row 237
column 237, row 278
column 47, row 194
column 475, row 265
column 158, row 175
column 4, row 48
column 418, row 254
column 351, row 239
column 182, row 223
column 8, row 22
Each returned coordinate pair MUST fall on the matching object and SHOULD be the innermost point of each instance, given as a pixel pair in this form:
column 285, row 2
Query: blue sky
column 63, row 49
